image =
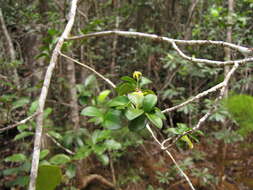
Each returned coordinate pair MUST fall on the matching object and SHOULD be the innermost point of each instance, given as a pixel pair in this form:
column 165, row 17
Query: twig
column 59, row 145
column 205, row 117
column 174, row 42
column 172, row 158
column 43, row 95
column 198, row 96
column 19, row 123
column 91, row 69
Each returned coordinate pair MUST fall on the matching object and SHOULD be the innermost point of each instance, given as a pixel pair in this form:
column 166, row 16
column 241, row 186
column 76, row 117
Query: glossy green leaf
column 112, row 144
column 82, row 153
column 136, row 98
column 60, row 159
column 144, row 81
column 159, row 113
column 23, row 135
column 132, row 113
column 118, row 101
column 138, row 123
column 91, row 111
column 44, row 153
column 103, row 95
column 16, row 158
column 128, row 79
column 157, row 121
column 149, row 102
column 112, row 119
column 49, row 176
column 125, row 88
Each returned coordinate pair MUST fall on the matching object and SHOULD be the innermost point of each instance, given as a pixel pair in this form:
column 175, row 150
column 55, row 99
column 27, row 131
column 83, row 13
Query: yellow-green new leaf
column 188, row 141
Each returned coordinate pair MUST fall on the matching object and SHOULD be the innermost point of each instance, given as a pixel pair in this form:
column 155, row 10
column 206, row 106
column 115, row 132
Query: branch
column 43, row 95
column 172, row 158
column 173, row 42
column 91, row 69
column 205, row 117
column 59, row 145
column 198, row 96
column 19, row 123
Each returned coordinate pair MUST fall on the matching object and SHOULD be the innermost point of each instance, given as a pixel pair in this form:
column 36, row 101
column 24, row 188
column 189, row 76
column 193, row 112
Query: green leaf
column 47, row 112
column 60, row 159
column 136, row 98
column 44, row 153
column 82, row 153
column 138, row 123
column 157, row 121
column 11, row 171
column 99, row 149
column 23, row 135
column 33, row 107
column 149, row 102
column 91, row 111
column 112, row 145
column 90, row 81
column 159, row 113
column 118, row 101
column 20, row 102
column 145, row 81
column 16, row 158
column 104, row 159
column 103, row 95
column 112, row 119
column 187, row 140
column 125, row 88
column 55, row 135
column 22, row 127
column 71, row 171
column 133, row 113
column 49, row 176
column 128, row 79
column 19, row 181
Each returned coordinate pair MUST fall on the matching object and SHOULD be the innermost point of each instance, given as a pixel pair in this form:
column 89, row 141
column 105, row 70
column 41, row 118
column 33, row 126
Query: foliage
column 133, row 106
column 238, row 107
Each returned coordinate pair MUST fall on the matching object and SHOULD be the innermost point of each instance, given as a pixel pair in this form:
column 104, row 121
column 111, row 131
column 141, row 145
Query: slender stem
column 43, row 96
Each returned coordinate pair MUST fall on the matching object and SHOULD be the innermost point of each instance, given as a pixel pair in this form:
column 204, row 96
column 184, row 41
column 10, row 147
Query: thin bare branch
column 91, row 69
column 198, row 96
column 172, row 158
column 211, row 110
column 174, row 42
column 18, row 123
column 59, row 145
column 43, row 95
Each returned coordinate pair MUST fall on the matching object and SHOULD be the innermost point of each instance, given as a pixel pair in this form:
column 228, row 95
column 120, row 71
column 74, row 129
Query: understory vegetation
column 111, row 118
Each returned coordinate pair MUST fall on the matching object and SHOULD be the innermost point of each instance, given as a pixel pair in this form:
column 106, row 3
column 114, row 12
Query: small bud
column 137, row 75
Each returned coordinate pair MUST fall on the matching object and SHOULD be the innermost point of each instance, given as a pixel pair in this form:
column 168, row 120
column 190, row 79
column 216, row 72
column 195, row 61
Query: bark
column 74, row 112
column 43, row 96
column 115, row 38
column 11, row 49
column 223, row 146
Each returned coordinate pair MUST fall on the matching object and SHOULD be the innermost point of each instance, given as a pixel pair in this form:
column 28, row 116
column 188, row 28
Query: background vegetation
column 91, row 156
